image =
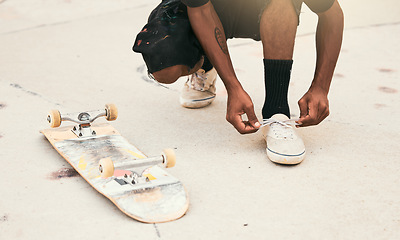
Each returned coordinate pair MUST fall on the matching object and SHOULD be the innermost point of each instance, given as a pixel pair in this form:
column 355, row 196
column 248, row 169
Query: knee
column 168, row 75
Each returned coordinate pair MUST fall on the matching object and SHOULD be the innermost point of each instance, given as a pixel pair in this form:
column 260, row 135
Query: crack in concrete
column 375, row 25
column 357, row 27
column 17, row 86
column 157, row 231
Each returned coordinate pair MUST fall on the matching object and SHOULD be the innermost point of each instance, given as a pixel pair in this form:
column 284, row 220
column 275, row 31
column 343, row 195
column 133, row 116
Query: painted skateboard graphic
column 135, row 183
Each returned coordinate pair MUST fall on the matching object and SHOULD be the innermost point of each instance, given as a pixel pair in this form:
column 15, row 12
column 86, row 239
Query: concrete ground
column 76, row 55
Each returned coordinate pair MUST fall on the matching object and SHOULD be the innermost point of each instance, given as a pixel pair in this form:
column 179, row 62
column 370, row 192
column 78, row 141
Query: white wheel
column 106, row 167
column 54, row 118
column 111, row 112
column 169, row 157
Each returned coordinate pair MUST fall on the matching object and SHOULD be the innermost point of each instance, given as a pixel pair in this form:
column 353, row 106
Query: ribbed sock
column 207, row 66
column 277, row 78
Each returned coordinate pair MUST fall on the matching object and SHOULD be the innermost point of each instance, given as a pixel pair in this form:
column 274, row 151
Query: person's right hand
column 239, row 103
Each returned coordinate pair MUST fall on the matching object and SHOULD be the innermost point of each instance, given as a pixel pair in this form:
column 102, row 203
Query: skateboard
column 138, row 185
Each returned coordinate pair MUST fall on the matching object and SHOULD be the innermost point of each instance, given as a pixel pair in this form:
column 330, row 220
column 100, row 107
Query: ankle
column 269, row 112
column 277, row 78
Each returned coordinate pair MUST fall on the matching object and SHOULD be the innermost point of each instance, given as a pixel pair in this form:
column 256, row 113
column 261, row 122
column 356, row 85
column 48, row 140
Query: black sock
column 277, row 77
column 207, row 66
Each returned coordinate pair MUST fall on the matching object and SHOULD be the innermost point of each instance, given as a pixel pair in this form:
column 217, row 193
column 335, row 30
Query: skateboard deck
column 161, row 198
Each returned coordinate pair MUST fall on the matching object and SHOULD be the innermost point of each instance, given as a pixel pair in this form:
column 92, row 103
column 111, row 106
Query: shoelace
column 283, row 129
column 198, row 82
column 286, row 123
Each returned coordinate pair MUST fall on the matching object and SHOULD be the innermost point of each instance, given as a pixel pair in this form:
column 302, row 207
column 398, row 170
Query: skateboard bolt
column 83, row 116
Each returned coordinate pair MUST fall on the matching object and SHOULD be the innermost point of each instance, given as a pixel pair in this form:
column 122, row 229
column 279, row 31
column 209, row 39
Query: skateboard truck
column 83, row 119
column 107, row 167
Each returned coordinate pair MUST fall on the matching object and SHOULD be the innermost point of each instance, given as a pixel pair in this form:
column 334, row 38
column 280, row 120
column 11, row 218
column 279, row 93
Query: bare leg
column 278, row 29
column 171, row 74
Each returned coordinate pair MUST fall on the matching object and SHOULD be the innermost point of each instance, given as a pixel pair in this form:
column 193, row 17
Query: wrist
column 232, row 85
column 322, row 81
column 319, row 88
column 320, row 85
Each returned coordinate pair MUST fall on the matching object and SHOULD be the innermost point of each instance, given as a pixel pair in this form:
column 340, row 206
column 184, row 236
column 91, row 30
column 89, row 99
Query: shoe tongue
column 201, row 71
column 280, row 117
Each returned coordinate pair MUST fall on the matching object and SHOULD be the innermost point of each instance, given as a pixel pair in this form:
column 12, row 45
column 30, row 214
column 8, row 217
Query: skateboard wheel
column 169, row 158
column 54, row 118
column 111, row 112
column 106, row 167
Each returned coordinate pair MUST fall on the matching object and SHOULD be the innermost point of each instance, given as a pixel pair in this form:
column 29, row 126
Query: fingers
column 237, row 106
column 303, row 105
column 305, row 117
column 253, row 121
column 315, row 115
column 245, row 127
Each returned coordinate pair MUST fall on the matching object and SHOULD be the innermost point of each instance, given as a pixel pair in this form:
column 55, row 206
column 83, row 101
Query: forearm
column 209, row 31
column 328, row 43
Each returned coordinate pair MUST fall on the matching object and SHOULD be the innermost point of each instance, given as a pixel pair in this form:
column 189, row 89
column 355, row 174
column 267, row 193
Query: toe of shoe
column 197, row 102
column 285, row 157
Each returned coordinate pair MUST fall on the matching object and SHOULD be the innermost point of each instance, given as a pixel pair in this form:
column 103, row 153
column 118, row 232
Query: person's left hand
column 314, row 107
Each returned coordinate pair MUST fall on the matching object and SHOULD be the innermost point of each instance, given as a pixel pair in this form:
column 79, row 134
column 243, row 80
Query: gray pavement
column 76, row 55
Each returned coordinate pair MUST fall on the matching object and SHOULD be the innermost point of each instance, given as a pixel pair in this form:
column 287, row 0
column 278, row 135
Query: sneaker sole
column 198, row 103
column 285, row 158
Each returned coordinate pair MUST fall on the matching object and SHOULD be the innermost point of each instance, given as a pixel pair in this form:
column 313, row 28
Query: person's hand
column 314, row 107
column 239, row 103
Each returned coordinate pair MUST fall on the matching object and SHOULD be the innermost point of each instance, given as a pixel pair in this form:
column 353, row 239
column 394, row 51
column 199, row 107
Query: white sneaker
column 199, row 89
column 284, row 146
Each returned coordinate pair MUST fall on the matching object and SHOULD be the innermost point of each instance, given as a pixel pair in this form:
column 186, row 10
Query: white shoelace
column 286, row 123
column 284, row 130
column 198, row 82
